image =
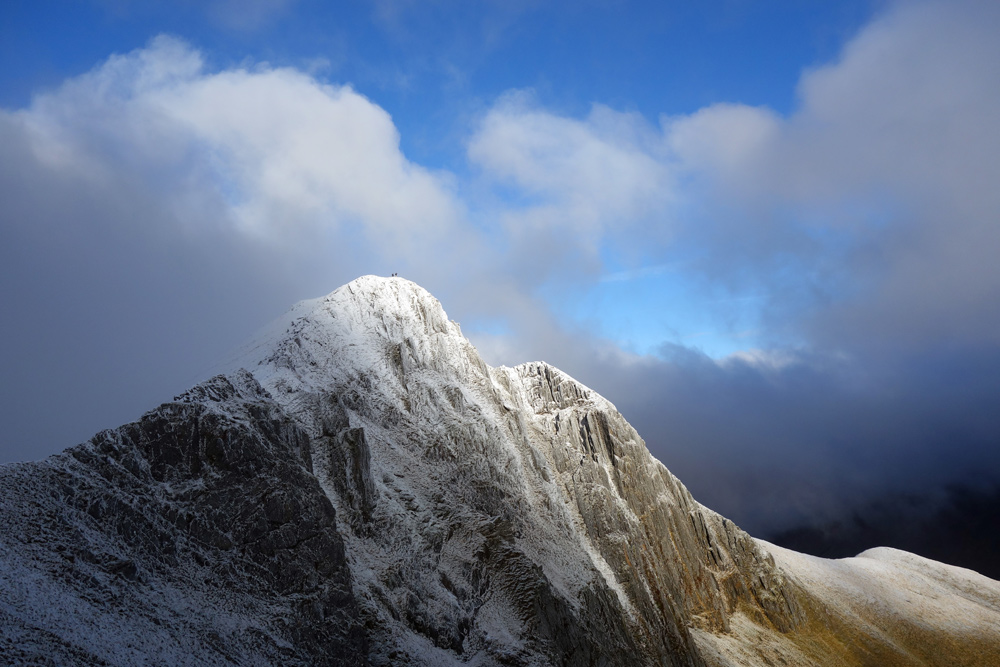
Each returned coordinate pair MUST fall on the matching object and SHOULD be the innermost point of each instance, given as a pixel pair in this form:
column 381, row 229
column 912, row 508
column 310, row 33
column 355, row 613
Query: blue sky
column 437, row 67
column 651, row 57
column 709, row 212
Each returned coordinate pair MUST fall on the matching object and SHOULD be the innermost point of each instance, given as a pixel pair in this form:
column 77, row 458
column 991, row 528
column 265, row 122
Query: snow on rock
column 194, row 536
column 383, row 496
column 901, row 608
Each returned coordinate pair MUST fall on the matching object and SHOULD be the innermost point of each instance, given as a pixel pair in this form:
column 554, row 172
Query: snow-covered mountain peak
column 369, row 491
column 399, row 307
column 372, row 326
column 414, row 436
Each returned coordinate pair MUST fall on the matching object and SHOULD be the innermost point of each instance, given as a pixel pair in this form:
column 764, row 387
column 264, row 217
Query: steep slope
column 500, row 513
column 890, row 607
column 391, row 498
column 195, row 536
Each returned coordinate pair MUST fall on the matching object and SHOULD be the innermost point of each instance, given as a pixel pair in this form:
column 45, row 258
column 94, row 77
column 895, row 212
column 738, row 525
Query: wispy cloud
column 636, row 274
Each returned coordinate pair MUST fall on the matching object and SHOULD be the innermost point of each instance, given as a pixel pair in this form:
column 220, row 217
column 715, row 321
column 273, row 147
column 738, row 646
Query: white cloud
column 725, row 139
column 285, row 153
column 586, row 176
column 869, row 213
column 155, row 212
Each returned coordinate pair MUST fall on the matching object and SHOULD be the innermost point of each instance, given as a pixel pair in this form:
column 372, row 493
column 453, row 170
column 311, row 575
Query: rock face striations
column 371, row 492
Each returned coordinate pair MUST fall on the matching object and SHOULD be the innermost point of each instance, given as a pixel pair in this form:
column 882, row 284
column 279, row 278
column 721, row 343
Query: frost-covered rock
column 384, row 496
column 194, row 536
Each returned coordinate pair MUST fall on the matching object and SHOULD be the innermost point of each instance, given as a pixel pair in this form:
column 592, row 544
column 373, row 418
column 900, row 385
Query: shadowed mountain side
column 195, row 535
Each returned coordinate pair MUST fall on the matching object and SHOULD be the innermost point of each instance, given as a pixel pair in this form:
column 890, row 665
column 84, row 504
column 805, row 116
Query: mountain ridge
column 487, row 516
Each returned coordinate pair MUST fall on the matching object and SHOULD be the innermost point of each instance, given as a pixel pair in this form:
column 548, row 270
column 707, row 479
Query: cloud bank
column 868, row 220
column 157, row 210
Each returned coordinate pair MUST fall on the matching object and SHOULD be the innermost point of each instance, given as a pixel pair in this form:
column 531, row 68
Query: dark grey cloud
column 784, row 439
column 810, row 440
column 155, row 213
column 108, row 308
column 866, row 219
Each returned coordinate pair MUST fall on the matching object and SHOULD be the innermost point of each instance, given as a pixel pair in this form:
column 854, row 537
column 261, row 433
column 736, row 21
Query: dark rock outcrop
column 195, row 535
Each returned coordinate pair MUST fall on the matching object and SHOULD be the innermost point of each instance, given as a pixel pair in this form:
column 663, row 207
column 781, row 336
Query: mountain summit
column 359, row 487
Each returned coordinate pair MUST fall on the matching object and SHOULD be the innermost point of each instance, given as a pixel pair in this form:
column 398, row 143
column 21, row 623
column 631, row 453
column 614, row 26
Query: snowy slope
column 195, row 536
column 454, row 452
column 590, row 507
column 485, row 516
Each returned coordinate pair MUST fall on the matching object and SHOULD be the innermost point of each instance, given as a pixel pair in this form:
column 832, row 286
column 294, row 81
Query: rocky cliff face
column 374, row 492
column 194, row 536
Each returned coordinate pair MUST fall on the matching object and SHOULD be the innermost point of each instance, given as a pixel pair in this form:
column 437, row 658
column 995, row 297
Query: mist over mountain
column 954, row 527
column 813, row 444
column 360, row 487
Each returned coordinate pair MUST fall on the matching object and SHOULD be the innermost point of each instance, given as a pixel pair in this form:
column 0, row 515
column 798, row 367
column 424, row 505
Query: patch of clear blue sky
column 436, row 66
column 644, row 308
